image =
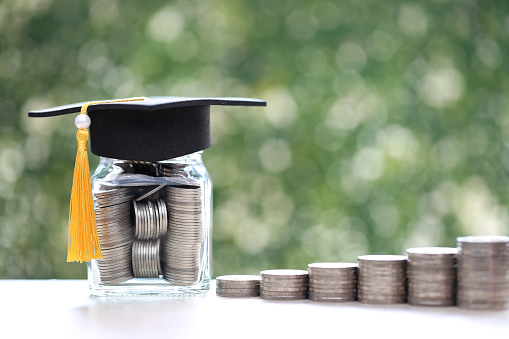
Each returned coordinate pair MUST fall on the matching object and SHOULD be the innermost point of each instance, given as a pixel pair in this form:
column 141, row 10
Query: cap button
column 82, row 121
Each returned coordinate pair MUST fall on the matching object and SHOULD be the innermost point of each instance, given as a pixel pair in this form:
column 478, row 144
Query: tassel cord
column 83, row 238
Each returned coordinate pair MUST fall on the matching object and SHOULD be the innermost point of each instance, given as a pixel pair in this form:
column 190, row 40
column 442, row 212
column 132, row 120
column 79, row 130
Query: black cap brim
column 154, row 129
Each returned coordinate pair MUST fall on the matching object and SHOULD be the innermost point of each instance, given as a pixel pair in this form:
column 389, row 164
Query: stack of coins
column 332, row 282
column 183, row 244
column 151, row 219
column 173, row 170
column 238, row 286
column 284, row 284
column 144, row 167
column 483, row 272
column 138, row 167
column 382, row 279
column 432, row 276
column 113, row 219
column 146, row 259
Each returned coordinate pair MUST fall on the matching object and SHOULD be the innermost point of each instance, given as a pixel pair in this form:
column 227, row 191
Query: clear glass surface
column 154, row 225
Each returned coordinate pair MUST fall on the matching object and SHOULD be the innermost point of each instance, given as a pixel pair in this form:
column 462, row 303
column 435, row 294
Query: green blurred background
column 387, row 125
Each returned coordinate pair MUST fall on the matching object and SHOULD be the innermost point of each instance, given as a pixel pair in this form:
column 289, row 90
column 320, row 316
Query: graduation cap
column 143, row 129
column 147, row 129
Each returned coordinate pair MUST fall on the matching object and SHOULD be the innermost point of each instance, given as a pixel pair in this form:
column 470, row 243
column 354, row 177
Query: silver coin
column 483, row 239
column 237, row 290
column 283, row 298
column 350, row 289
column 375, row 280
column 432, row 279
column 181, row 269
column 382, row 301
column 383, row 290
column 332, row 277
column 437, row 291
column 232, row 288
column 426, row 252
column 384, row 258
column 235, row 279
column 282, row 289
column 152, row 229
column 330, row 268
column 332, row 294
column 237, row 295
column 115, row 256
column 334, row 280
column 329, row 286
column 483, row 304
column 284, row 273
column 430, row 302
column 270, row 284
column 189, row 278
column 191, row 234
column 332, row 299
column 283, row 294
column 164, row 217
column 382, row 284
column 158, row 228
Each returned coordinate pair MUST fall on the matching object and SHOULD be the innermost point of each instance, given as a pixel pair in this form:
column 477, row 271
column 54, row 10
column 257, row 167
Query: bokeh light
column 387, row 124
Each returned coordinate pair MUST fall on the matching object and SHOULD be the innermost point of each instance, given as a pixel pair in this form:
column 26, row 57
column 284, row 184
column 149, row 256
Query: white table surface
column 64, row 309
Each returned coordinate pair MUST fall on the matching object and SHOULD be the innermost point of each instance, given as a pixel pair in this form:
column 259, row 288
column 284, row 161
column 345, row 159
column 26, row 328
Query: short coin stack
column 284, row 284
column 483, row 272
column 332, row 282
column 432, row 276
column 183, row 243
column 382, row 279
column 146, row 258
column 151, row 219
column 113, row 219
column 238, row 286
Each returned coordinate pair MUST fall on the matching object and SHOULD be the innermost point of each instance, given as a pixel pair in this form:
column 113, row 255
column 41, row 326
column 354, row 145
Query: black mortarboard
column 154, row 129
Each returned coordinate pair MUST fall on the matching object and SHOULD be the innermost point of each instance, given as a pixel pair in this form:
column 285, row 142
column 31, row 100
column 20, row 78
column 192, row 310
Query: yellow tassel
column 83, row 239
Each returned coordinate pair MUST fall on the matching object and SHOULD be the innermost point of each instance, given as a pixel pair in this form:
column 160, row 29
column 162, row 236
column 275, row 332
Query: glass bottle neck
column 193, row 158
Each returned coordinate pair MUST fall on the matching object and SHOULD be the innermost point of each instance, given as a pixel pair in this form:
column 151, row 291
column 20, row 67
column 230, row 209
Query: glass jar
column 154, row 226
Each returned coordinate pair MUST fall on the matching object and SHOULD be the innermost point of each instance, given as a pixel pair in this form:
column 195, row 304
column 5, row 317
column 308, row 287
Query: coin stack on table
column 432, row 276
column 483, row 272
column 382, row 279
column 284, row 284
column 332, row 282
column 183, row 244
column 113, row 219
column 238, row 286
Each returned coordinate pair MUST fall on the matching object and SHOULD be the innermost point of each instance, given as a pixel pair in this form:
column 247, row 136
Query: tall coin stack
column 483, row 272
column 183, row 244
column 151, row 223
column 332, row 282
column 382, row 279
column 432, row 276
column 284, row 284
column 238, row 286
column 113, row 219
